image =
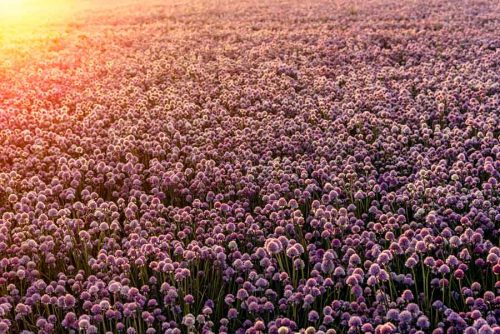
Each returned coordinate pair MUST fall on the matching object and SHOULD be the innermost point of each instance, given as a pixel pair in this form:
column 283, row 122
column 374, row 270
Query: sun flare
column 19, row 15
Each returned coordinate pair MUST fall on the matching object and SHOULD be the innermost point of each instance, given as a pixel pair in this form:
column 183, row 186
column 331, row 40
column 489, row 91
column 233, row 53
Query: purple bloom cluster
column 254, row 167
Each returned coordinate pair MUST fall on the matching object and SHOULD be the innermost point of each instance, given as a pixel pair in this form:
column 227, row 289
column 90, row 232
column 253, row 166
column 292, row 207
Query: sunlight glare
column 19, row 15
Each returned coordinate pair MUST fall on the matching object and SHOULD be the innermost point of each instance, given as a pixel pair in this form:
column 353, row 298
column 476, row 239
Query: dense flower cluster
column 254, row 167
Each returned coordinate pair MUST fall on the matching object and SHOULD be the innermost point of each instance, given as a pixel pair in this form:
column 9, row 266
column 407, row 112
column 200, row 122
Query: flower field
column 248, row 167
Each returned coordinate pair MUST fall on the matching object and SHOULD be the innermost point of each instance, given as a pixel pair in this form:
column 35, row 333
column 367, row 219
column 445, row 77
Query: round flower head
column 355, row 321
column 313, row 316
column 283, row 330
column 188, row 320
column 411, row 262
column 470, row 330
column 273, row 246
column 189, row 299
column 485, row 329
column 407, row 295
column 386, row 328
column 393, row 314
column 423, row 322
column 405, row 316
column 204, row 181
column 232, row 313
column 310, row 330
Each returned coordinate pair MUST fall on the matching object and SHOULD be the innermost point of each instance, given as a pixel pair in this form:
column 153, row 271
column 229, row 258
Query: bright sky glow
column 22, row 15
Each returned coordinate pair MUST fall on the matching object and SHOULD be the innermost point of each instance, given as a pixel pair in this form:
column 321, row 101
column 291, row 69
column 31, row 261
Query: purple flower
column 273, row 246
column 209, row 177
column 313, row 316
column 423, row 322
column 355, row 321
column 188, row 320
column 407, row 295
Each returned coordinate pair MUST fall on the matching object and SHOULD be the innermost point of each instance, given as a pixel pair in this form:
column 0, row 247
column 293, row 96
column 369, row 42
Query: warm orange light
column 19, row 15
